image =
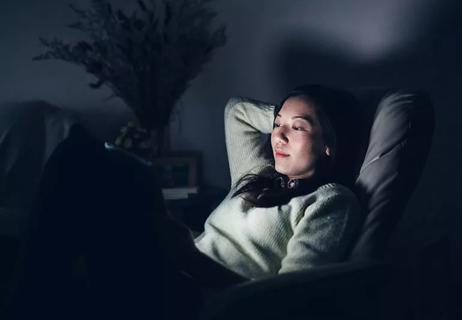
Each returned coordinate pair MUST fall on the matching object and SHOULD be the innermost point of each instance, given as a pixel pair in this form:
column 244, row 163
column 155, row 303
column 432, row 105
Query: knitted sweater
column 309, row 230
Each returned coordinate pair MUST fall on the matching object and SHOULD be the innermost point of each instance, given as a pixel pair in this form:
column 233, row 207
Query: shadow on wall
column 429, row 60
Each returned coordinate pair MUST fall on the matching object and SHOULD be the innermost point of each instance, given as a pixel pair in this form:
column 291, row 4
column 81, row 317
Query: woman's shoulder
column 331, row 192
column 334, row 189
column 331, row 198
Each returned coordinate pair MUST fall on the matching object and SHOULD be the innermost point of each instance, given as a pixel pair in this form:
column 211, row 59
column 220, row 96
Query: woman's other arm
column 210, row 273
column 179, row 248
column 325, row 233
column 245, row 122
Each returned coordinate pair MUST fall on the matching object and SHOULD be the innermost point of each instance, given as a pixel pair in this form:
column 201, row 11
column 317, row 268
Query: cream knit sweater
column 309, row 230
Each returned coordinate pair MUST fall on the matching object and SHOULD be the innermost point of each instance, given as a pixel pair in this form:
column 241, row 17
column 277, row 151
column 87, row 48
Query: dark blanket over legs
column 101, row 208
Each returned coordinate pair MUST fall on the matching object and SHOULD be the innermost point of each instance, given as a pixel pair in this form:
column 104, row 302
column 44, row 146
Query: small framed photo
column 177, row 171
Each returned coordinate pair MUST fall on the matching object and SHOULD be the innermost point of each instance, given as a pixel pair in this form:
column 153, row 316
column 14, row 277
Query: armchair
column 397, row 128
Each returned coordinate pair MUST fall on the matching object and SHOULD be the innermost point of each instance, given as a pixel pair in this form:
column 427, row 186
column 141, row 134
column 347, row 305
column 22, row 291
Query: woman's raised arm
column 245, row 122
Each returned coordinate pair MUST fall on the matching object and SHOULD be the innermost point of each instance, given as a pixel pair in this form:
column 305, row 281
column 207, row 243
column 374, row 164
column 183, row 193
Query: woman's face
column 297, row 139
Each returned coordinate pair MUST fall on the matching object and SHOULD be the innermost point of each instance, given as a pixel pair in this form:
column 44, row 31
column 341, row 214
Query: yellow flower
column 118, row 141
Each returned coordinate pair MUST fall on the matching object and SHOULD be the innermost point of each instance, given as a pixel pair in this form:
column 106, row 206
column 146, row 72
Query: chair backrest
column 398, row 128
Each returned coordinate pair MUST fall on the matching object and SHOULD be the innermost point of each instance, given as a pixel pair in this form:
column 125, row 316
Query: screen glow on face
column 297, row 139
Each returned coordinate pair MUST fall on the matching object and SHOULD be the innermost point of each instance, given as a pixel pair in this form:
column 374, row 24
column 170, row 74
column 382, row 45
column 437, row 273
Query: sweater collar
column 298, row 186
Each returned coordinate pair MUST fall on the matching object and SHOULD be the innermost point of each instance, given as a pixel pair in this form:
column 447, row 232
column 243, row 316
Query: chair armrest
column 336, row 290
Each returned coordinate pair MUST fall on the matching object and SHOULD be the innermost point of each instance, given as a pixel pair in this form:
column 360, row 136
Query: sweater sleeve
column 324, row 234
column 245, row 122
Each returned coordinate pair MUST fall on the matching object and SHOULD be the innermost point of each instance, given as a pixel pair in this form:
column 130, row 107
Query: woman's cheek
column 304, row 143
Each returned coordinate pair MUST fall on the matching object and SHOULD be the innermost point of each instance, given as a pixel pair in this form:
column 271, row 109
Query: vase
column 159, row 142
column 147, row 144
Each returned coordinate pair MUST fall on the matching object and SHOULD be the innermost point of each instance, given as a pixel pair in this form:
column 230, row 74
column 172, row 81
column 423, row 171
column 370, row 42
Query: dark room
column 230, row 159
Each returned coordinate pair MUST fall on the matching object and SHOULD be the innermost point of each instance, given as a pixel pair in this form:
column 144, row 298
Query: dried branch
column 146, row 58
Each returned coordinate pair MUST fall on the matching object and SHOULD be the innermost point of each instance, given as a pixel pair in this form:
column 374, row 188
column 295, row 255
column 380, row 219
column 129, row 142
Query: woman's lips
column 280, row 154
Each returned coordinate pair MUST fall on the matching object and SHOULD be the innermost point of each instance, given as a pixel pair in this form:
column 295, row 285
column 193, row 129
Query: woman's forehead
column 297, row 106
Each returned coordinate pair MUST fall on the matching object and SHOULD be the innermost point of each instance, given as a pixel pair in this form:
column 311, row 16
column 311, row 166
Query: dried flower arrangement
column 147, row 58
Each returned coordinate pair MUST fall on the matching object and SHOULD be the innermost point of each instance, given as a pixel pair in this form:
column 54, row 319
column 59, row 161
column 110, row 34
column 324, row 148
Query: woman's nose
column 281, row 135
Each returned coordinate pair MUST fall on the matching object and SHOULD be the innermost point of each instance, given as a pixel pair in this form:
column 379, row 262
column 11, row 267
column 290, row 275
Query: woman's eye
column 277, row 125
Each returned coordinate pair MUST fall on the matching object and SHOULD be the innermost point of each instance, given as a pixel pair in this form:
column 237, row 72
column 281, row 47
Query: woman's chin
column 280, row 170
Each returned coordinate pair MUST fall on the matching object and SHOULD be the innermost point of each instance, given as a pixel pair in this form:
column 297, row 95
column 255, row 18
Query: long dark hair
column 337, row 113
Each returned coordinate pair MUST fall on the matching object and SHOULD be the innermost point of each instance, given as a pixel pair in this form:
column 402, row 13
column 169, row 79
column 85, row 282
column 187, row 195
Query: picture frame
column 177, row 171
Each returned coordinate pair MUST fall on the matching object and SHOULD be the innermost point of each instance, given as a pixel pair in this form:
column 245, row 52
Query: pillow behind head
column 398, row 145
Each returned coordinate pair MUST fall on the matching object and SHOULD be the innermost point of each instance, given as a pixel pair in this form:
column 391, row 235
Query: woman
column 284, row 211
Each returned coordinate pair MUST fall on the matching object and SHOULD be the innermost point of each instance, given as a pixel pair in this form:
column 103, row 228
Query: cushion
column 397, row 147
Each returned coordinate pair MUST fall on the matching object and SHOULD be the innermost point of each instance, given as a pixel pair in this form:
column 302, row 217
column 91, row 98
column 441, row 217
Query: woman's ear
column 327, row 151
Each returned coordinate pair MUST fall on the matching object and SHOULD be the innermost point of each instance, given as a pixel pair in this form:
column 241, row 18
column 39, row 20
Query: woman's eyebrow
column 306, row 117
